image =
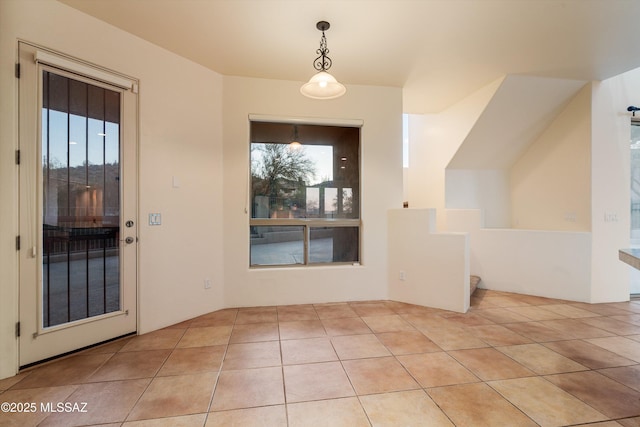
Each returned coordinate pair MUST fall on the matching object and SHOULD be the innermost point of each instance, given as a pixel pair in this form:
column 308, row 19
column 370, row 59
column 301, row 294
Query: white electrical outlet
column 403, row 276
column 207, row 284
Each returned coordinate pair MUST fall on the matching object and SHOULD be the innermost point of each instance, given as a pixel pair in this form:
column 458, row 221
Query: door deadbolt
column 129, row 223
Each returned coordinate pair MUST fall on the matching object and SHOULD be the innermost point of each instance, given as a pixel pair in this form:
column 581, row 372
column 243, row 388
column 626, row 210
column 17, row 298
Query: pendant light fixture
column 323, row 85
column 295, row 143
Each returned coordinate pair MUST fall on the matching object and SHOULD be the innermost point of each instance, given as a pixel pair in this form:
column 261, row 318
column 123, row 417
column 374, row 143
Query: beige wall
column 434, row 140
column 380, row 109
column 550, row 184
column 485, row 189
column 180, row 107
column 552, row 264
column 610, row 184
column 577, row 169
column 427, row 267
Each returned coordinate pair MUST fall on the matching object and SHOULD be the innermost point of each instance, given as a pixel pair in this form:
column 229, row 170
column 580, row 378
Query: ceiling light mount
column 323, row 85
column 323, row 26
column 322, row 62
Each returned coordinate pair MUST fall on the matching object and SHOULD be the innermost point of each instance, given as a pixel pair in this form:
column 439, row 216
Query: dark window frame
column 348, row 220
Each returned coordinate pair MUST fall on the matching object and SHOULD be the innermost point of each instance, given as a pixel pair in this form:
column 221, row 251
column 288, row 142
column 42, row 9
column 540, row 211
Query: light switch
column 155, row 219
column 610, row 217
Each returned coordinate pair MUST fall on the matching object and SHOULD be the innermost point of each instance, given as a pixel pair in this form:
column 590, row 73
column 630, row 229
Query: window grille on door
column 80, row 126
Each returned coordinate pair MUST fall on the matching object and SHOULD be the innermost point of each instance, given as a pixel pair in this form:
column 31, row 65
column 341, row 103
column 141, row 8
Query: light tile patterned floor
column 512, row 360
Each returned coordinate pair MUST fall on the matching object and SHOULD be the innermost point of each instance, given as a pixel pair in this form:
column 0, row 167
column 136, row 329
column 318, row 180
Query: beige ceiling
column 439, row 51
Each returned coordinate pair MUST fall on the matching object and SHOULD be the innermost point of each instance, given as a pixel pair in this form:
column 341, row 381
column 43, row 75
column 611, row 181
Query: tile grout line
column 539, row 341
column 215, row 383
column 151, row 378
column 357, row 395
column 284, row 384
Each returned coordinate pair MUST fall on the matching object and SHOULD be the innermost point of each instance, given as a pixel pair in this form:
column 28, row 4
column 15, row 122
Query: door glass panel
column 81, row 205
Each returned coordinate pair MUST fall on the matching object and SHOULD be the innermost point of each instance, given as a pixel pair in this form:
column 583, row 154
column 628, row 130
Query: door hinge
column 18, row 70
column 17, row 329
column 17, row 157
column 17, row 243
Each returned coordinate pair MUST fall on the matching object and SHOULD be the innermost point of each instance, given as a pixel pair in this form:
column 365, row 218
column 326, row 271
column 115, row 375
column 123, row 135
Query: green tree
column 276, row 167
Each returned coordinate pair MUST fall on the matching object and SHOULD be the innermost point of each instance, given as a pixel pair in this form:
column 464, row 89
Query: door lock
column 129, row 240
column 129, row 224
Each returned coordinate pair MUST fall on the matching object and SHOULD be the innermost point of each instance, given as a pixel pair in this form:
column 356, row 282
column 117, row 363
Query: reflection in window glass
column 330, row 202
column 298, row 188
column 81, row 202
column 347, row 200
column 313, row 202
column 333, row 244
column 285, row 177
column 277, row 245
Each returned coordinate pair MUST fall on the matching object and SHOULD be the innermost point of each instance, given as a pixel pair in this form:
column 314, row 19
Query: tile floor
column 512, row 360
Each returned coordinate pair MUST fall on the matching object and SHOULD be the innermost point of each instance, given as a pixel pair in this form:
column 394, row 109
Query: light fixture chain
column 322, row 62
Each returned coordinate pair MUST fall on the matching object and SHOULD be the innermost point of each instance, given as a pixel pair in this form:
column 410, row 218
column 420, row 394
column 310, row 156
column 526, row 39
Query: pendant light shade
column 323, row 85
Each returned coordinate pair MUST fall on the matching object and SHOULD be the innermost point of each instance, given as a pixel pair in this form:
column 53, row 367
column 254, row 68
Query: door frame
column 80, row 334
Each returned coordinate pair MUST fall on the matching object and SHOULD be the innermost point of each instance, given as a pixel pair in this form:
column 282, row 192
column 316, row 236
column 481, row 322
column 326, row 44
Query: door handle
column 129, row 240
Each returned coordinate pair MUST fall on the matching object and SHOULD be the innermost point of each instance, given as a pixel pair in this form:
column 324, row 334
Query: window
column 305, row 194
column 635, row 200
column 635, row 183
column 81, row 199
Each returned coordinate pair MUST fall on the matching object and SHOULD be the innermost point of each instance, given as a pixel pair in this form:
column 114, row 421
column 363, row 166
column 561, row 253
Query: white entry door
column 78, row 204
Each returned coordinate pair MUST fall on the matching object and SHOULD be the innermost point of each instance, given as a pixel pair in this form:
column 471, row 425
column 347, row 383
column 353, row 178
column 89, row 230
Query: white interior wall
column 552, row 264
column 8, row 198
column 180, row 135
column 426, row 267
column 380, row 108
column 181, row 178
column 550, row 184
column 433, row 141
column 486, row 189
column 610, row 184
column 520, row 110
column 596, row 191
